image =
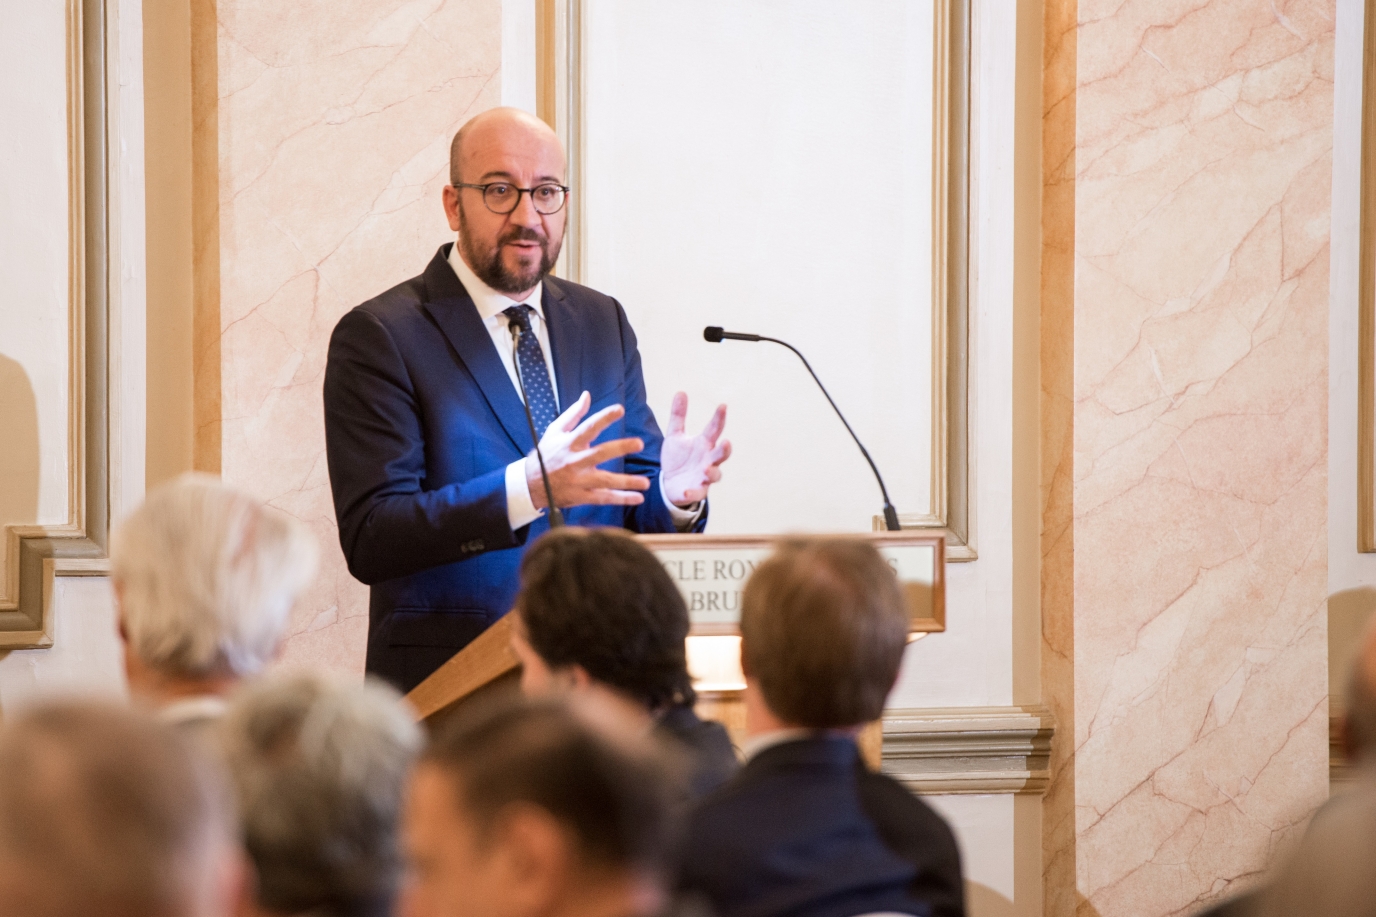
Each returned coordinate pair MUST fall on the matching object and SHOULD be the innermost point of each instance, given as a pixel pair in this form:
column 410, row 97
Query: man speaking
column 436, row 484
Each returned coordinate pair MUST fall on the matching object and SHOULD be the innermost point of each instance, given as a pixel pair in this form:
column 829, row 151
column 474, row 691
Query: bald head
column 502, row 130
column 498, row 163
column 105, row 813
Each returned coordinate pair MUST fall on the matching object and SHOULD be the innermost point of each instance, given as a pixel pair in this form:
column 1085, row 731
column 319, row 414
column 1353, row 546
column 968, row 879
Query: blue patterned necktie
column 533, row 369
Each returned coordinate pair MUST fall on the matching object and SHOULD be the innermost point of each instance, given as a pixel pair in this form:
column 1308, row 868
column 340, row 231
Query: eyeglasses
column 504, row 197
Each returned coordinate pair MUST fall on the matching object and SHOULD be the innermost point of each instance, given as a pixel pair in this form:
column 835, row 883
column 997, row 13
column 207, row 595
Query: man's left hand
column 689, row 465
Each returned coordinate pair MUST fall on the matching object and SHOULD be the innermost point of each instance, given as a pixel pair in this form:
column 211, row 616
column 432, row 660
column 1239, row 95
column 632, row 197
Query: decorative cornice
column 969, row 749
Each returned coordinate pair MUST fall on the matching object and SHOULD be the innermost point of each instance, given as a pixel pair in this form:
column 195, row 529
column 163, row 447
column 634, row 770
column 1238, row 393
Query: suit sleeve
column 389, row 525
column 651, row 516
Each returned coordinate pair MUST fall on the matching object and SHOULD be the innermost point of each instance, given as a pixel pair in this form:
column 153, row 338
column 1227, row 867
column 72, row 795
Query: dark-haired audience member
column 107, row 813
column 806, row 829
column 596, row 611
column 205, row 577
column 539, row 808
column 319, row 765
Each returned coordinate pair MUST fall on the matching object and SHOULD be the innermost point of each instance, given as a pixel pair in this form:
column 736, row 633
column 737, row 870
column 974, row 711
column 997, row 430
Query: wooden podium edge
column 476, row 666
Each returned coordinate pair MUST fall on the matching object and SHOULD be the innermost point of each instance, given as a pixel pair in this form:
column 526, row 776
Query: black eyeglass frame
column 519, row 191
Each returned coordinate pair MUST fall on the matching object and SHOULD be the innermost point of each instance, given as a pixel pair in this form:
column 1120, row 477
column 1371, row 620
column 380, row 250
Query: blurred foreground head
column 540, row 808
column 205, row 577
column 105, row 813
column 823, row 627
column 319, row 765
column 1333, row 873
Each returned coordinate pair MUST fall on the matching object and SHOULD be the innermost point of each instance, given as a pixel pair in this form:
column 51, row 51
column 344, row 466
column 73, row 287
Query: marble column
column 1187, row 155
column 330, row 126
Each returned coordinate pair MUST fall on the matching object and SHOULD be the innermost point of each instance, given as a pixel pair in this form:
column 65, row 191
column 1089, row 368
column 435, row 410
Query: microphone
column 714, row 335
column 556, row 518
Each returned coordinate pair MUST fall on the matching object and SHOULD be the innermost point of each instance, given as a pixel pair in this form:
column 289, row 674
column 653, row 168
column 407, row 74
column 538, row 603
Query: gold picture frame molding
column 560, row 51
column 1366, row 299
column 36, row 554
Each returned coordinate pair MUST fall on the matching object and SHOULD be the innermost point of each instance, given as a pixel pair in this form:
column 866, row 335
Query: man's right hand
column 571, row 461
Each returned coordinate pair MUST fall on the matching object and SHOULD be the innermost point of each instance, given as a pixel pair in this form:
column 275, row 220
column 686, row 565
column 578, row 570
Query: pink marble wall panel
column 1202, row 190
column 334, row 121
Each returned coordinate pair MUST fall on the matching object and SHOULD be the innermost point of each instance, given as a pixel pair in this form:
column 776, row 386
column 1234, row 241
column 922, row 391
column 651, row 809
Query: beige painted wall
column 34, row 275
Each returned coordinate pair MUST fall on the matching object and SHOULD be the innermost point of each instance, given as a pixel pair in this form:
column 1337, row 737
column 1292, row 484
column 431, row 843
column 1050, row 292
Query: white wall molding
column 34, row 554
column 969, row 749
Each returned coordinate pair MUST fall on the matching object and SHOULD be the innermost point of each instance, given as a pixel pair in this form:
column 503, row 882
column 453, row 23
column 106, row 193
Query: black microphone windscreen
column 713, row 334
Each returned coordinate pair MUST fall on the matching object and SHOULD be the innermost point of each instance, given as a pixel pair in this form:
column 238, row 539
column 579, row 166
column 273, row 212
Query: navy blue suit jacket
column 805, row 830
column 421, row 420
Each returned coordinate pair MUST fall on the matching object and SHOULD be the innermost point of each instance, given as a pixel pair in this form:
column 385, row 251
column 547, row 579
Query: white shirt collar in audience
column 194, row 710
column 767, row 740
column 490, row 303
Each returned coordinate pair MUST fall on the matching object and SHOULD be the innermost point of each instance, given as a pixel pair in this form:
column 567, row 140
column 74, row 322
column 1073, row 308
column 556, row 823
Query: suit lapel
column 449, row 304
column 566, row 342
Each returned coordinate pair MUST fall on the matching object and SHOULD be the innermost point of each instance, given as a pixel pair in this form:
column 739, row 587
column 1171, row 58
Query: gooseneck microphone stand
column 714, row 335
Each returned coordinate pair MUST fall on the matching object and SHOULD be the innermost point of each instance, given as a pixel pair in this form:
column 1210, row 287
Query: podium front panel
column 711, row 572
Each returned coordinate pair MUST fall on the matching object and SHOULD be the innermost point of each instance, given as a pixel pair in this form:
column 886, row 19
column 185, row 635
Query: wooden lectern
column 710, row 570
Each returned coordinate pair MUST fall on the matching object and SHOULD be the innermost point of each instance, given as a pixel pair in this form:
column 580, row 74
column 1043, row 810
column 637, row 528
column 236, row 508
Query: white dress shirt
column 520, row 509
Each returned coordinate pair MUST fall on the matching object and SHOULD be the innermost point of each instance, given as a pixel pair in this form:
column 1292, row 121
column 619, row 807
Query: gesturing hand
column 689, row 465
column 571, row 461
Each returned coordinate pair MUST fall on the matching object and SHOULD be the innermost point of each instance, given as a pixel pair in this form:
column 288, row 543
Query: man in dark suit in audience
column 598, row 613
column 436, row 485
column 806, row 829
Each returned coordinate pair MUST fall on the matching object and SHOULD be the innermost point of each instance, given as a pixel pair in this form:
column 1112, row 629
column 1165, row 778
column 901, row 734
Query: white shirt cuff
column 520, row 510
column 683, row 518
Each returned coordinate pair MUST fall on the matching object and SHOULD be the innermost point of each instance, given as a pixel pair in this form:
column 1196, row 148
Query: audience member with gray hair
column 205, row 577
column 107, row 813
column 319, row 765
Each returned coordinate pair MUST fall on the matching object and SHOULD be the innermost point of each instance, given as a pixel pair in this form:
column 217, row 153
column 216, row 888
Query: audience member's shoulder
column 766, row 781
column 712, row 757
column 901, row 815
column 720, row 809
column 915, row 832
